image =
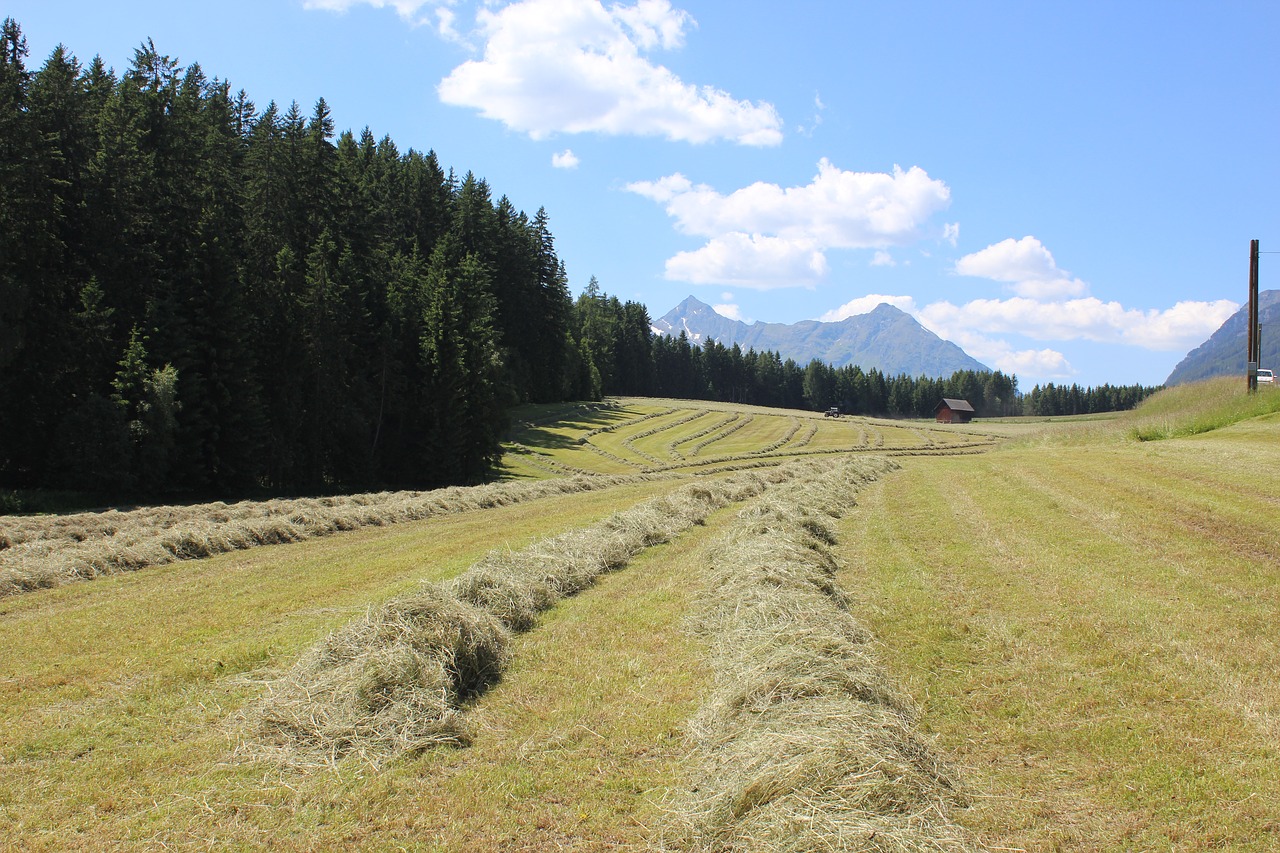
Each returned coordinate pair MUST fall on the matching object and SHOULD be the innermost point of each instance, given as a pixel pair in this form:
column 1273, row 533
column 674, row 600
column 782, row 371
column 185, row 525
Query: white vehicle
column 1266, row 376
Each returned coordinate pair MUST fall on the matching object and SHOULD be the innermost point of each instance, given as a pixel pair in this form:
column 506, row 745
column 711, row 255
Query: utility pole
column 1255, row 332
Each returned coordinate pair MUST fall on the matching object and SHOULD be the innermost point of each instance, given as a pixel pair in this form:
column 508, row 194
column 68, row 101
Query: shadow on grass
column 546, row 434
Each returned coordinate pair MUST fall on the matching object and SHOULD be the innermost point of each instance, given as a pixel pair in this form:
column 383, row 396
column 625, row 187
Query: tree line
column 622, row 355
column 1072, row 399
column 200, row 296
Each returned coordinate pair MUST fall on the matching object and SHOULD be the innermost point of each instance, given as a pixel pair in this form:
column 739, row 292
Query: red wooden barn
column 953, row 411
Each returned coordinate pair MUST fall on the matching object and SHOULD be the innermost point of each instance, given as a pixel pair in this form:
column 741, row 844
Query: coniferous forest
column 202, row 297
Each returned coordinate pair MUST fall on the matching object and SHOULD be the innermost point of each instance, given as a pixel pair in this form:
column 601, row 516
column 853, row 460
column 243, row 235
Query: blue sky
column 1067, row 190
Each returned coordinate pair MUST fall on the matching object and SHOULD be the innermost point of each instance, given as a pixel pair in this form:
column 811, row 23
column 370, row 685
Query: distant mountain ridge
column 886, row 338
column 1223, row 354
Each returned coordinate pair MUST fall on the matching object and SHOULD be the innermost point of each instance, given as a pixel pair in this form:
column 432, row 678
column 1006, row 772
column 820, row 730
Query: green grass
column 1088, row 623
column 641, row 433
column 1091, row 632
column 1199, row 407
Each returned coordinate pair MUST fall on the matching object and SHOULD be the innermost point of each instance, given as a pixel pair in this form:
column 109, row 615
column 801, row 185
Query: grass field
column 1076, row 619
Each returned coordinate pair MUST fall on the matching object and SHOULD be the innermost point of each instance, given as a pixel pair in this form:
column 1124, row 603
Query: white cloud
column 731, row 311
column 445, row 25
column 653, row 23
column 1043, row 310
column 883, row 259
column 1025, row 264
column 573, row 66
column 1184, row 325
column 866, row 304
column 951, row 233
column 836, row 210
column 750, row 260
column 1039, row 365
column 566, row 159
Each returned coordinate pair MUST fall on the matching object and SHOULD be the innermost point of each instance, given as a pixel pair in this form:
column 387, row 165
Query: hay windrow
column 50, row 551
column 387, row 683
column 395, row 680
column 805, row 743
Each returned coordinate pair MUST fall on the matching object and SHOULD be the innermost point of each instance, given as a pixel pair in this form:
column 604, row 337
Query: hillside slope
column 1223, row 354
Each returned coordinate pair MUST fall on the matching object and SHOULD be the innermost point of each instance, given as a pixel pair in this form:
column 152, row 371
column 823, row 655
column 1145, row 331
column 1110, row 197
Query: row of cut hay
column 744, row 461
column 629, row 441
column 45, row 555
column 805, row 744
column 393, row 681
column 718, row 425
column 612, row 457
column 782, row 442
column 388, row 683
column 927, row 437
column 808, row 436
column 725, row 433
column 582, row 439
column 544, row 462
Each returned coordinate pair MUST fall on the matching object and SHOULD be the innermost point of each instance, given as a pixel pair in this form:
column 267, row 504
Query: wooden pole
column 1255, row 340
column 1257, row 306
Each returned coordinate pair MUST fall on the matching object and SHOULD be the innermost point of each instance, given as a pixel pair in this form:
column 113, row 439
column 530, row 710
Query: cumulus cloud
column 1026, row 265
column 566, row 159
column 866, row 304
column 1040, row 364
column 750, row 260
column 574, row 66
column 446, row 26
column 1184, row 325
column 883, row 259
column 767, row 224
column 729, row 310
column 1043, row 309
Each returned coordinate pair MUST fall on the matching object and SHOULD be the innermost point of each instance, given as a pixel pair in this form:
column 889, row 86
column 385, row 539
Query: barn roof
column 956, row 405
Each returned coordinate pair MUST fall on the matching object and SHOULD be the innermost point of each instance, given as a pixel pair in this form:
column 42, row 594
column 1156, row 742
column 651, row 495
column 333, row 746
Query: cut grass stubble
column 394, row 681
column 805, row 743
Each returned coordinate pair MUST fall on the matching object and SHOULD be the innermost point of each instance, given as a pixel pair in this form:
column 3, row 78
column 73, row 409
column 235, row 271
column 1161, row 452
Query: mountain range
column 1224, row 353
column 886, row 338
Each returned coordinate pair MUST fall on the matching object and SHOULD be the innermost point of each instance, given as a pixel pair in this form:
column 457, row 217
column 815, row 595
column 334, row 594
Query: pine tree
column 462, row 370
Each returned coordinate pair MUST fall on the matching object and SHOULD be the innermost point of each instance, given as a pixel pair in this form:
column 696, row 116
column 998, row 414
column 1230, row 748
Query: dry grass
column 116, row 694
column 394, row 681
column 387, row 684
column 805, row 743
column 46, row 551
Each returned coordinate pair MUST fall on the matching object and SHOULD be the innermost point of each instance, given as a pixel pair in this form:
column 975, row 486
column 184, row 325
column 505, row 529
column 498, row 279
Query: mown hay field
column 1006, row 636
